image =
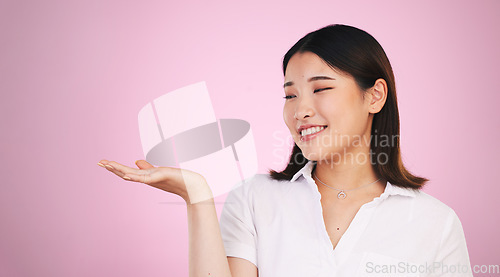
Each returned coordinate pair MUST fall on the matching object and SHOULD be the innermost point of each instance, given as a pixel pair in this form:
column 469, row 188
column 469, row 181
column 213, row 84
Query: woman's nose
column 304, row 109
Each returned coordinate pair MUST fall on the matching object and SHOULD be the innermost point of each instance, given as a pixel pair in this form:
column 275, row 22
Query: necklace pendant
column 341, row 195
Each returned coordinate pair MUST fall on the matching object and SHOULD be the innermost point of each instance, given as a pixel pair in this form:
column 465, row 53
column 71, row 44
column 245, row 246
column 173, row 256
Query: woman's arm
column 242, row 268
column 207, row 256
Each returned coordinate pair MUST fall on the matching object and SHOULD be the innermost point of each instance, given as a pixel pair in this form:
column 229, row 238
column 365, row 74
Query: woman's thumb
column 142, row 164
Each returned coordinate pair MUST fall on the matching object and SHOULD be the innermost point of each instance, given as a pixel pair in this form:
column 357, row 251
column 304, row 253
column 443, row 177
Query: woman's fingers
column 147, row 173
column 114, row 170
column 141, row 178
column 155, row 177
column 122, row 168
column 142, row 164
column 101, row 163
column 119, row 169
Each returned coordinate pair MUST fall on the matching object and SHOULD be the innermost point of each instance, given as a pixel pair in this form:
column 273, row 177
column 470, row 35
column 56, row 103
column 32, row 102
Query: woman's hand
column 189, row 185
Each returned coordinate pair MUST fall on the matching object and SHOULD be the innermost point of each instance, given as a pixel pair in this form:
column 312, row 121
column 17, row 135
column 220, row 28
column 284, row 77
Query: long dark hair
column 357, row 53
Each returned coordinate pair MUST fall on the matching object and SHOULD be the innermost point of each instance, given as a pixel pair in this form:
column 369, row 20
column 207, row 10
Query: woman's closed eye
column 322, row 89
column 316, row 90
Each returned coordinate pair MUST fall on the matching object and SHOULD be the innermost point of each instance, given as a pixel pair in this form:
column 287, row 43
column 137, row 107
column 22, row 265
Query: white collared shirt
column 279, row 227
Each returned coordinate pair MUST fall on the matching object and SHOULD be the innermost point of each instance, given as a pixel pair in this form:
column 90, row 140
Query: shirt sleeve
column 453, row 256
column 237, row 227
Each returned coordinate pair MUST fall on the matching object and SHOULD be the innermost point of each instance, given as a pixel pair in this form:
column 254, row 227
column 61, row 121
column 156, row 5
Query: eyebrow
column 315, row 78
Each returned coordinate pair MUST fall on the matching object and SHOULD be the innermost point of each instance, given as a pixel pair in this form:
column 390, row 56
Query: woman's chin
column 311, row 156
column 320, row 154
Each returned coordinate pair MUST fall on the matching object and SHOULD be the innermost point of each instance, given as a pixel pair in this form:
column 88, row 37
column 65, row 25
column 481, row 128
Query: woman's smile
column 310, row 133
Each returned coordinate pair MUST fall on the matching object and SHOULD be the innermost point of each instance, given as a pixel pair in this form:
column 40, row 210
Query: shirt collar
column 390, row 189
column 306, row 170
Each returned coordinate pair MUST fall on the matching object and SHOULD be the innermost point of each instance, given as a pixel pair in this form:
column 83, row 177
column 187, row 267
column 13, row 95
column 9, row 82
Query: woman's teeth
column 311, row 130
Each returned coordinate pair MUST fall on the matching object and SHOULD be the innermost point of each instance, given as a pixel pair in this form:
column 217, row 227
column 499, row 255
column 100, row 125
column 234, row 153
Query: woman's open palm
column 189, row 185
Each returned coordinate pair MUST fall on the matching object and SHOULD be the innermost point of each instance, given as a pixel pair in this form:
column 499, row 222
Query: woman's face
column 325, row 110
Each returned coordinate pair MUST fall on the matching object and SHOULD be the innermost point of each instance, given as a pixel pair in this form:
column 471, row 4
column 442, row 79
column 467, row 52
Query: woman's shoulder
column 261, row 182
column 427, row 204
column 261, row 186
column 421, row 211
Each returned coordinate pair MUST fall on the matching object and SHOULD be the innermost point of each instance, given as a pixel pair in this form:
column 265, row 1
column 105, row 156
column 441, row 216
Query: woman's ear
column 378, row 96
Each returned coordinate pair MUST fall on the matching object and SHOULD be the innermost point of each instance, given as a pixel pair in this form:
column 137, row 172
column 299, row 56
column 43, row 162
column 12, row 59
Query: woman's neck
column 351, row 176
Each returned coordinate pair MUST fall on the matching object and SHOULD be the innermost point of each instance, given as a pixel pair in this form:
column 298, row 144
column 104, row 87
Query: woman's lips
column 313, row 135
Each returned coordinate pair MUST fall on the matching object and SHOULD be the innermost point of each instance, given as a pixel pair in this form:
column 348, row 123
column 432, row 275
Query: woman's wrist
column 197, row 191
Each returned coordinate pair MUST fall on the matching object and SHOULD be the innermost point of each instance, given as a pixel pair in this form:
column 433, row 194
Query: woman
column 345, row 205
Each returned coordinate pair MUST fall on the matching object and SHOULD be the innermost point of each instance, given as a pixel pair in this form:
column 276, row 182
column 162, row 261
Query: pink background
column 74, row 75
